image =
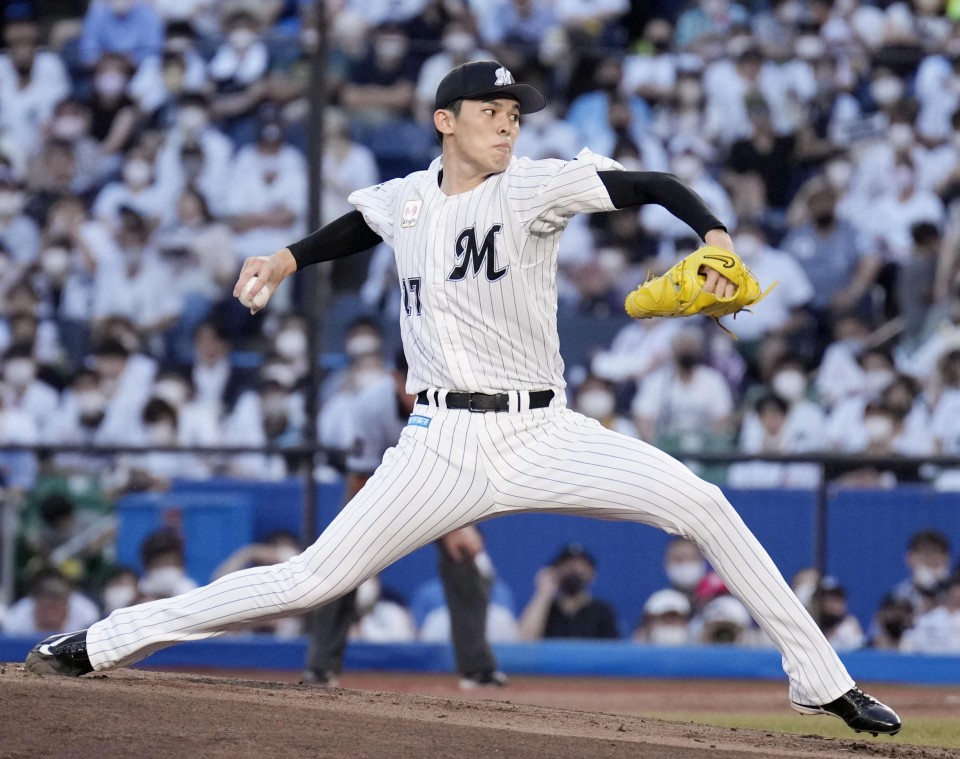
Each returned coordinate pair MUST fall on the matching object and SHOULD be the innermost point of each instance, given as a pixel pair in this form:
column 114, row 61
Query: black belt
column 481, row 403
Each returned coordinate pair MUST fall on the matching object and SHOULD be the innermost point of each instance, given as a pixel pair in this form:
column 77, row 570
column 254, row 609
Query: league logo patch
column 411, row 212
column 419, row 421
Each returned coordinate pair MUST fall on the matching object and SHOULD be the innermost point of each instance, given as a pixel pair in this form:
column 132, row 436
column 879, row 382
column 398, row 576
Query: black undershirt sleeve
column 637, row 188
column 340, row 238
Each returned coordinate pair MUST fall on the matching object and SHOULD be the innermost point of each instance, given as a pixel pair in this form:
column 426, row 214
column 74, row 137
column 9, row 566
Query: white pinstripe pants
column 464, row 467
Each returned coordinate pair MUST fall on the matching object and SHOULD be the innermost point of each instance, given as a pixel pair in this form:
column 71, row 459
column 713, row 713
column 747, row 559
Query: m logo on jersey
column 468, row 253
column 504, row 77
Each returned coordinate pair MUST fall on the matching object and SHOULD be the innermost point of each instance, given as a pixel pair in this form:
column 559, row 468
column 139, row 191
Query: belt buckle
column 472, row 409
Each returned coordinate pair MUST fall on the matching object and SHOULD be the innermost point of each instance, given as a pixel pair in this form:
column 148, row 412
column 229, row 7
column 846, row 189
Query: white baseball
column 259, row 300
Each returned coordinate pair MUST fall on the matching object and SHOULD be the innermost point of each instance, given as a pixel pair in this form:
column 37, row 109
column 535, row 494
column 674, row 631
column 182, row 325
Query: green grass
column 922, row 731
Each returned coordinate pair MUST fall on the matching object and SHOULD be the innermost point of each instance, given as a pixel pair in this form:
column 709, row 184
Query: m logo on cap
column 504, row 77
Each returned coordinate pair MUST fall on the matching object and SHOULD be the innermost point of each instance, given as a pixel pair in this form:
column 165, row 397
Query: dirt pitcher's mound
column 149, row 714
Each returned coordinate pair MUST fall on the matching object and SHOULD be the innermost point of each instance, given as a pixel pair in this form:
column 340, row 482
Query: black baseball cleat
column 861, row 712
column 64, row 654
column 488, row 678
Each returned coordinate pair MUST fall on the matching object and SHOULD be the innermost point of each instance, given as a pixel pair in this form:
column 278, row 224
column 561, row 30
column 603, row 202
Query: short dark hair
column 929, row 539
column 454, row 108
column 159, row 543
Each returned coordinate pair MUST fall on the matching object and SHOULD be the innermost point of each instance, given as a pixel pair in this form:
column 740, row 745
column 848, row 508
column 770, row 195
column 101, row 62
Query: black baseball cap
column 479, row 80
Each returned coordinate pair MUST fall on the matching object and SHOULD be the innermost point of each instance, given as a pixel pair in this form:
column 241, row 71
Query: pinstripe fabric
column 467, row 467
column 478, row 272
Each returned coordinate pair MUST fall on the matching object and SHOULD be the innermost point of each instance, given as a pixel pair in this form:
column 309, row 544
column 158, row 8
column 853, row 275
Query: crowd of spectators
column 147, row 147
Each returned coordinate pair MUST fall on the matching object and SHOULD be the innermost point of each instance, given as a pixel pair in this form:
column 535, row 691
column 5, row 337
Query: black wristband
column 637, row 188
column 340, row 238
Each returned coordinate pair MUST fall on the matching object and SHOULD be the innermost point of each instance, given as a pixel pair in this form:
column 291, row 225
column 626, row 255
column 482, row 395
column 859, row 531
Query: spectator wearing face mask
column 767, row 429
column 195, row 154
column 70, row 124
column 17, row 468
column 459, row 45
column 837, row 623
column 893, row 618
column 23, row 390
column 137, row 189
column 900, row 209
column 686, row 403
column 120, row 590
column 562, row 605
column 688, row 162
column 238, row 70
column 125, row 380
column 928, row 559
column 162, row 78
column 153, row 469
column 869, row 376
column 665, row 620
column 216, row 381
column 266, row 202
column 51, row 606
column 685, row 568
column 164, row 566
column 129, row 27
column 785, row 306
column 113, row 114
column 198, row 422
column 381, row 85
column 32, row 82
column 937, row 631
column 838, row 260
column 271, row 415
column 18, row 232
column 725, row 621
column 595, row 398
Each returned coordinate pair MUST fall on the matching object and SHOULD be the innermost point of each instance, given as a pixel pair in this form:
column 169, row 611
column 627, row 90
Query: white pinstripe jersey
column 478, row 269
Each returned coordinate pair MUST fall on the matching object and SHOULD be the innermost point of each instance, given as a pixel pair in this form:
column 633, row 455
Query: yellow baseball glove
column 679, row 292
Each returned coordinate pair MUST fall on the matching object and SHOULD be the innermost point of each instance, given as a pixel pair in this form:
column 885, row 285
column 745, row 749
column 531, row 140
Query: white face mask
column 88, row 402
column 241, row 39
column 137, row 172
column 900, row 136
column 686, row 574
column 687, row 167
column 838, row 174
column 362, row 345
column 118, row 597
column 810, row 47
column 748, row 247
column 68, row 127
column 789, row 384
column 163, row 582
column 927, row 578
column 20, row 372
column 192, row 120
column 274, row 405
column 597, row 404
column 11, row 203
column 879, row 428
column 110, row 83
column 669, row 635
column 280, row 373
column 689, row 92
column 390, row 48
column 55, row 262
column 162, row 433
column 291, row 344
column 458, row 43
column 886, row 90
